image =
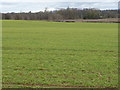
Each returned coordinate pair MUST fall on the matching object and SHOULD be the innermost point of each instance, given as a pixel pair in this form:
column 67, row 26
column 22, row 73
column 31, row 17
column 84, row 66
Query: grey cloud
column 8, row 3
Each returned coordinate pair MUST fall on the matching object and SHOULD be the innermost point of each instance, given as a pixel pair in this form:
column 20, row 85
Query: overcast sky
column 40, row 5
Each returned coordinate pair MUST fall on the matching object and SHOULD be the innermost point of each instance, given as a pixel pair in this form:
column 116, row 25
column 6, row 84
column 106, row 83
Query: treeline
column 69, row 13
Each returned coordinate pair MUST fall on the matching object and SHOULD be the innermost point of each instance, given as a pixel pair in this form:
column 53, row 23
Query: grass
column 58, row 53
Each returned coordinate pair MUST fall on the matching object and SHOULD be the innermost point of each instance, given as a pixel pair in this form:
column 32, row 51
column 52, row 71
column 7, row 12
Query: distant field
column 59, row 54
column 107, row 20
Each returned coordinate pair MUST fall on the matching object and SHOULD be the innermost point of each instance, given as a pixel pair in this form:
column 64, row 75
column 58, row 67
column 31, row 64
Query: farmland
column 59, row 54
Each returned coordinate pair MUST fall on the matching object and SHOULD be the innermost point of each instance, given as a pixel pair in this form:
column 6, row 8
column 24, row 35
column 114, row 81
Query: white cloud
column 51, row 9
column 29, row 5
column 10, row 1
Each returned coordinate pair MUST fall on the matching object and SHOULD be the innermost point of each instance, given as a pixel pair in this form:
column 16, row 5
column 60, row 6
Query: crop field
column 58, row 54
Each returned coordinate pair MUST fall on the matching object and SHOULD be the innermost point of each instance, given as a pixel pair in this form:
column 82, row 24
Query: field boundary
column 59, row 86
column 108, row 20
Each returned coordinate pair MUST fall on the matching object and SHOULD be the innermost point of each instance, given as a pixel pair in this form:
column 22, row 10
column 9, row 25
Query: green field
column 60, row 54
